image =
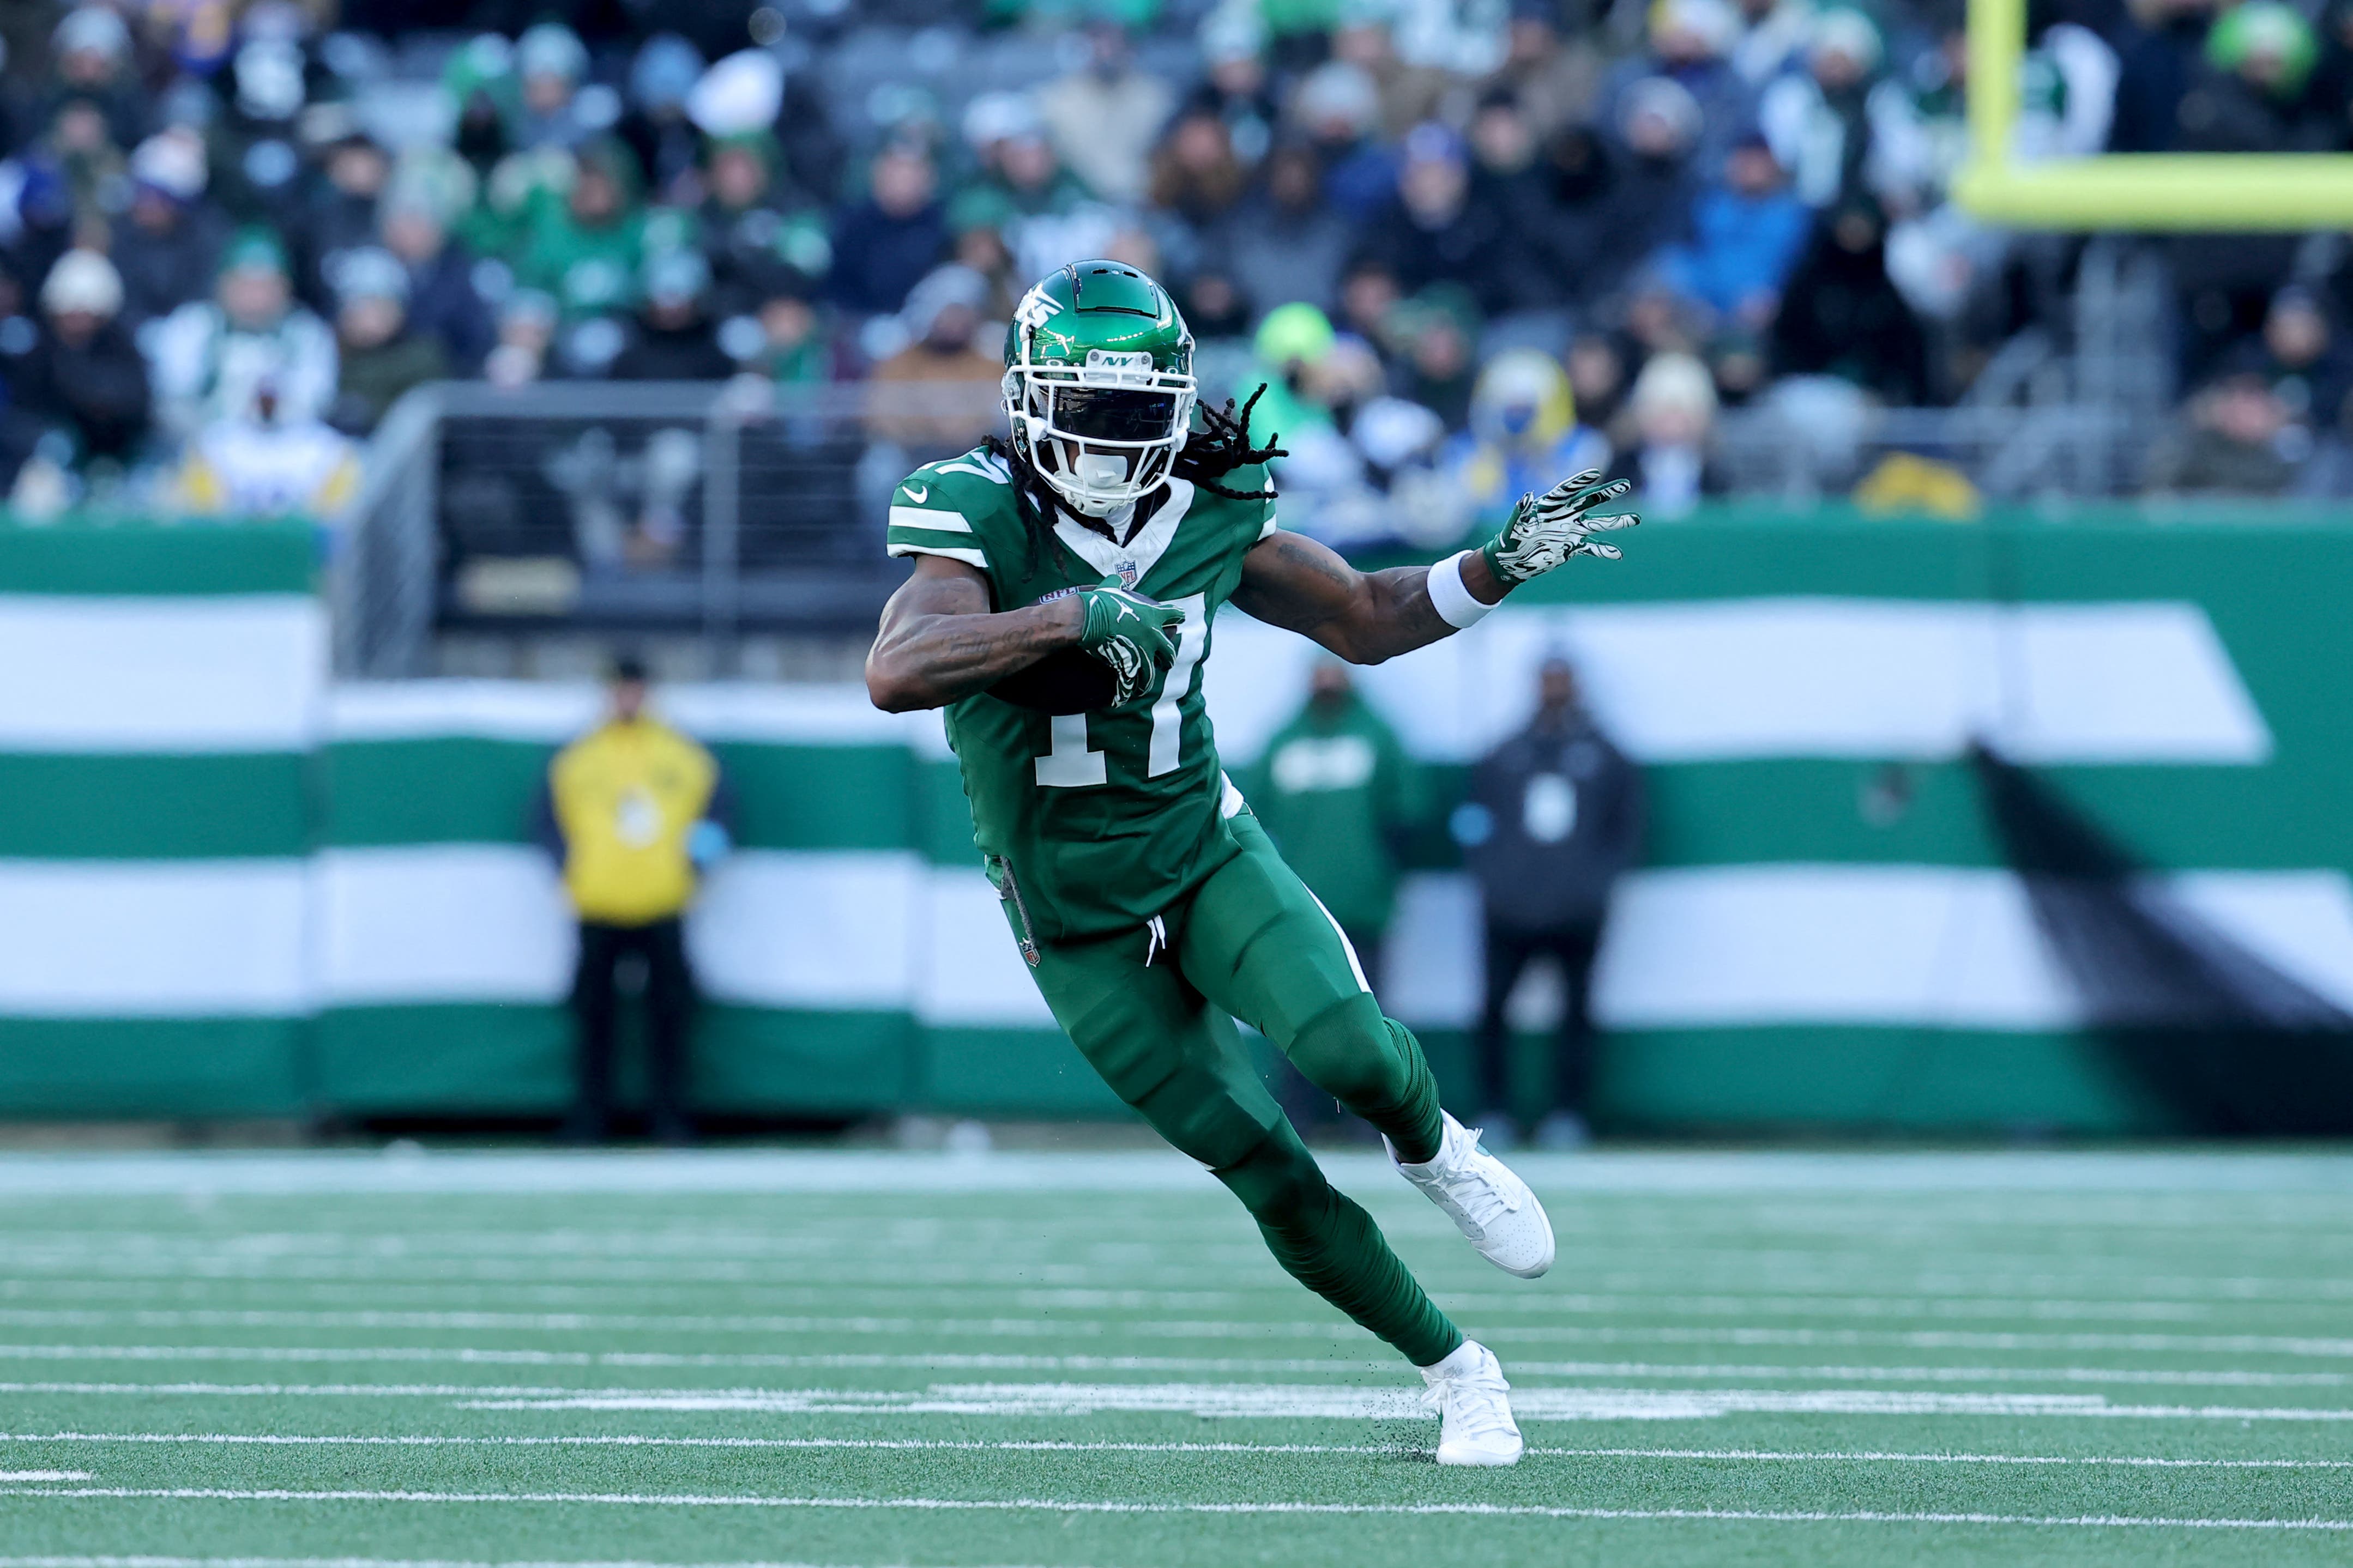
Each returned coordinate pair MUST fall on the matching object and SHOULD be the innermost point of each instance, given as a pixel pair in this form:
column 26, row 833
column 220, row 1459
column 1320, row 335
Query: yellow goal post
column 2224, row 192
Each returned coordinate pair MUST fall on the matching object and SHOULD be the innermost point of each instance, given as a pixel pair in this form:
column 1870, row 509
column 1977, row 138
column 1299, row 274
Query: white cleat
column 1489, row 1205
column 1474, row 1418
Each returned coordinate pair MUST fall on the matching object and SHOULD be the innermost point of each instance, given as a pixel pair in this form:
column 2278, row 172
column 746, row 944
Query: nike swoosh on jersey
column 918, row 494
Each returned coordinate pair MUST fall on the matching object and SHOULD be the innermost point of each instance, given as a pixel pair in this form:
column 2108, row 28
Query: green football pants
column 1154, row 1011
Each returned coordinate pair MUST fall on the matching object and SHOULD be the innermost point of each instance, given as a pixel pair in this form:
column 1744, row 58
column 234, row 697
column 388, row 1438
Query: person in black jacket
column 1555, row 815
column 443, row 302
column 883, row 246
column 1616, row 198
column 1841, row 316
column 675, row 340
column 1431, row 231
column 85, row 375
column 168, row 246
column 93, row 63
column 2160, row 53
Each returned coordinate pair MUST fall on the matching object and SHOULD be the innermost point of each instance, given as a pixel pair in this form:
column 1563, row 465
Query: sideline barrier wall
column 228, row 888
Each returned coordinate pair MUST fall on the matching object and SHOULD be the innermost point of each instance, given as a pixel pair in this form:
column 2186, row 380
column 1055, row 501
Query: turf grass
column 871, row 1359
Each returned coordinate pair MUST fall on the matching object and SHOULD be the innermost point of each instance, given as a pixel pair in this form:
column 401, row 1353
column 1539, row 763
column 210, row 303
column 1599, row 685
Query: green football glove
column 1546, row 529
column 1133, row 635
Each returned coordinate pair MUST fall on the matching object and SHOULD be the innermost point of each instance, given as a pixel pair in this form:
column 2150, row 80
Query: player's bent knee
column 1349, row 1051
column 1205, row 1117
column 1281, row 1186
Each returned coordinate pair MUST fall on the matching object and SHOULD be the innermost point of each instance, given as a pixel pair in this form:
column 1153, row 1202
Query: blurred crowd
column 1466, row 244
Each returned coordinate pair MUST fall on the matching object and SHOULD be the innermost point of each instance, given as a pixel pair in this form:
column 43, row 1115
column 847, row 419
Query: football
column 1065, row 681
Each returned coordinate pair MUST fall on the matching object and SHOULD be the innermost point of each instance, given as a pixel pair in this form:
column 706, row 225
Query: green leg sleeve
column 1258, row 945
column 1332, row 1247
column 1179, row 1061
column 1375, row 1067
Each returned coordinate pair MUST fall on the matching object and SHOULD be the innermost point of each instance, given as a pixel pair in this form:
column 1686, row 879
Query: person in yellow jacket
column 634, row 813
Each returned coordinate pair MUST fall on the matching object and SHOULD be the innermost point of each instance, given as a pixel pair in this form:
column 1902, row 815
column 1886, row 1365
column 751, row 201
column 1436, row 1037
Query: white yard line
column 2221, row 1378
column 885, row 1276
column 1337, row 1367
column 1288, row 1401
column 1827, row 1220
column 287, row 1390
column 1046, row 1505
column 2241, row 1247
column 309, row 1353
column 1032, row 1327
column 1842, row 1456
column 1045, row 1446
column 359, row 1563
column 44, row 1475
column 1132, row 1299
column 1022, row 1289
column 1838, row 1225
column 1746, row 1175
column 1026, row 1327
column 460, row 1355
column 1944, row 1339
column 492, row 1252
column 1332, row 1402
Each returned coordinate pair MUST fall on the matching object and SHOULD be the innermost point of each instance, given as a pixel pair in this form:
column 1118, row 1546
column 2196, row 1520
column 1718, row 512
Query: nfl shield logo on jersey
column 1128, row 573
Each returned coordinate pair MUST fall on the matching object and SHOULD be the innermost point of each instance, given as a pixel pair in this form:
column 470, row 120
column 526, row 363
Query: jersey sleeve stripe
column 936, row 522
column 917, row 547
column 1272, row 527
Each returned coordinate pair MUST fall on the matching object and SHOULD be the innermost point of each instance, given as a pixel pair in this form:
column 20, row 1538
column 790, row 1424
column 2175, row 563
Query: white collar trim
column 1143, row 550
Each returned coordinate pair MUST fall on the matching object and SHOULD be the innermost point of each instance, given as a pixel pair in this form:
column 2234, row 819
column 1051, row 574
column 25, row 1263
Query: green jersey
column 1335, row 792
column 1097, row 821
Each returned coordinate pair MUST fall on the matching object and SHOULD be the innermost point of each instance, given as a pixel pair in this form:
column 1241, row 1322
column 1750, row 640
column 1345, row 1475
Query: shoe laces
column 1469, row 1188
column 1475, row 1401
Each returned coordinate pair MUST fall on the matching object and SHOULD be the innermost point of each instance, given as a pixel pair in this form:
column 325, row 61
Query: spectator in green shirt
column 1337, row 792
column 584, row 245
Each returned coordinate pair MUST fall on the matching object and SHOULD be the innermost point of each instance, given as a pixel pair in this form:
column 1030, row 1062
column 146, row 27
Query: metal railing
column 2064, row 411
column 1793, row 452
column 656, row 507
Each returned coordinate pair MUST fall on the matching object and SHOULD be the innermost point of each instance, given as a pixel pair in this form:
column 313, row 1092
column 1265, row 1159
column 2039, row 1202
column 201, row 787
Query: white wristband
column 1451, row 597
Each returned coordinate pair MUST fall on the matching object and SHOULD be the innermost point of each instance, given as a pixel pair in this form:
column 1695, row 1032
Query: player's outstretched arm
column 939, row 641
column 1367, row 616
column 1290, row 581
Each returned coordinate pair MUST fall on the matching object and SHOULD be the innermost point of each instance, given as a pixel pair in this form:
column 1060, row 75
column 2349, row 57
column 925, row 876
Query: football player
column 1065, row 585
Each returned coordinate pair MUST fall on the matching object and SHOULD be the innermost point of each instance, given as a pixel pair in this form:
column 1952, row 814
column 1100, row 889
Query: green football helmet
column 1099, row 383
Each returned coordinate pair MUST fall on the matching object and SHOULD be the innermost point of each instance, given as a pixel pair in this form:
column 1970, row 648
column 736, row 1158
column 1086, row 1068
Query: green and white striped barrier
column 227, row 888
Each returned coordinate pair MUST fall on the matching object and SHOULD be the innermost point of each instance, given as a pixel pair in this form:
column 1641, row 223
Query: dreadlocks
column 1034, row 499
column 1209, row 455
column 1223, row 445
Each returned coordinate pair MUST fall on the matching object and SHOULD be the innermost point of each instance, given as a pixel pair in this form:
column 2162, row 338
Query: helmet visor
column 1097, row 414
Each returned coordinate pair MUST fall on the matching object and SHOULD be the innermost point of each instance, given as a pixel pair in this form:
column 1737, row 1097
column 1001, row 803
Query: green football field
column 1088, row 1359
